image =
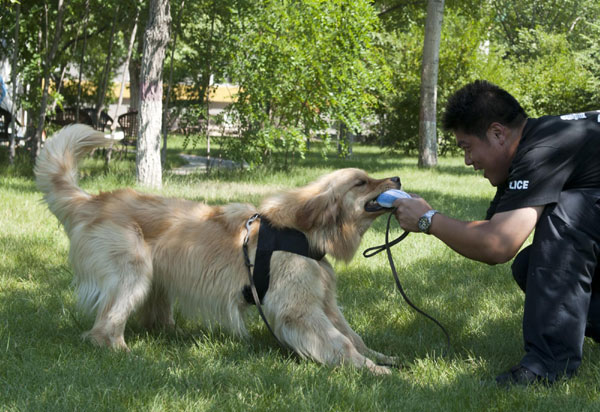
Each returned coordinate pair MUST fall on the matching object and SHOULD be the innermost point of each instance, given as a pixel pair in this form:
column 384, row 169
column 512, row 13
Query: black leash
column 372, row 251
column 251, row 278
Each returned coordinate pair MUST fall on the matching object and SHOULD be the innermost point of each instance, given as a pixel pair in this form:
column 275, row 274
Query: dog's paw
column 100, row 340
column 379, row 370
column 392, row 361
column 383, row 360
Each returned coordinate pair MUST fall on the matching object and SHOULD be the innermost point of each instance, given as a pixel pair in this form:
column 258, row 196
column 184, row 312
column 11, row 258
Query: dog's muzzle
column 373, row 205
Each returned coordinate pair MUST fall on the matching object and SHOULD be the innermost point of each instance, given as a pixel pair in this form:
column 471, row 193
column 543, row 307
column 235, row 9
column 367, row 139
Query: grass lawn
column 45, row 366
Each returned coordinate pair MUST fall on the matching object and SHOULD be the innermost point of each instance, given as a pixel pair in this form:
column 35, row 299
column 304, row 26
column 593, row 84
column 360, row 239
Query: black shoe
column 518, row 375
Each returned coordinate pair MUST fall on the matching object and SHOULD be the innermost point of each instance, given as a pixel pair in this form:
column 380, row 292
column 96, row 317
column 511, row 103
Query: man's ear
column 497, row 131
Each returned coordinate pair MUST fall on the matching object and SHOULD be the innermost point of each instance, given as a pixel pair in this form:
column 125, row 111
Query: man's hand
column 491, row 241
column 408, row 212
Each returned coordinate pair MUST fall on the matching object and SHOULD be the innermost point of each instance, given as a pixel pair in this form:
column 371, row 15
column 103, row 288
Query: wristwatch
column 425, row 221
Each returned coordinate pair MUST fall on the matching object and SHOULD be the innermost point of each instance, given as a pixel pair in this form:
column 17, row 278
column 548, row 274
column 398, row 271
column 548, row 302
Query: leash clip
column 249, row 222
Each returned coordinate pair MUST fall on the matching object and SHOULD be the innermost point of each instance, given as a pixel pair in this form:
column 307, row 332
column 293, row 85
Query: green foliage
column 460, row 56
column 545, row 56
column 305, row 66
column 36, row 34
column 546, row 76
column 399, row 111
column 207, row 33
column 271, row 145
column 301, row 66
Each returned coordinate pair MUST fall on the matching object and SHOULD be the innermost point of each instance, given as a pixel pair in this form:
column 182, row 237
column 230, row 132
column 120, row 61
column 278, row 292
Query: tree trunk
column 48, row 60
column 156, row 38
column 135, row 67
column 165, row 120
column 12, row 151
column 85, row 23
column 113, row 127
column 429, row 76
column 105, row 74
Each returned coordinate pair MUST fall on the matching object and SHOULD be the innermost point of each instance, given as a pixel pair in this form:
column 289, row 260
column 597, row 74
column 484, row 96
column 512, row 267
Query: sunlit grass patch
column 45, row 365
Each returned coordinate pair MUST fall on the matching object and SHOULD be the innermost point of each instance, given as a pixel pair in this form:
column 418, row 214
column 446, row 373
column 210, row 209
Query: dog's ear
column 321, row 210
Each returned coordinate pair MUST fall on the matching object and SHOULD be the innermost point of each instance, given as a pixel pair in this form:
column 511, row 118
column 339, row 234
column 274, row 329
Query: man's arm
column 491, row 241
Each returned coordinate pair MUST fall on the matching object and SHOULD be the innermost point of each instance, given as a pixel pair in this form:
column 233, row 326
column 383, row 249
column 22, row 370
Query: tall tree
column 47, row 67
column 429, row 77
column 13, row 78
column 165, row 120
column 132, row 37
column 106, row 73
column 156, row 38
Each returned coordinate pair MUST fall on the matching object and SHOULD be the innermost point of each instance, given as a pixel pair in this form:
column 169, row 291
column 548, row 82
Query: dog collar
column 271, row 239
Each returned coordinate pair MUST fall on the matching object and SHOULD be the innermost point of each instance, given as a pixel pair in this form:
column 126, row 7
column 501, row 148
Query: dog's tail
column 56, row 167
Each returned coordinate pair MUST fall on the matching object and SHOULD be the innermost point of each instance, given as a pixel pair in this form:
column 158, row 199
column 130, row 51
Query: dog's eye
column 361, row 183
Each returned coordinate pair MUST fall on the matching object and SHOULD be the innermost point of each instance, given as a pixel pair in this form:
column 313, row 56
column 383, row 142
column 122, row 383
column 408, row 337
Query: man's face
column 492, row 154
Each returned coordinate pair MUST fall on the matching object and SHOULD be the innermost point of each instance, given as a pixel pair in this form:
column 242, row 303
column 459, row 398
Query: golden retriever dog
column 139, row 253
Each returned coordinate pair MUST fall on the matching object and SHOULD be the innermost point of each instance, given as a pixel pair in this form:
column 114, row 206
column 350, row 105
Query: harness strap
column 251, row 279
column 271, row 239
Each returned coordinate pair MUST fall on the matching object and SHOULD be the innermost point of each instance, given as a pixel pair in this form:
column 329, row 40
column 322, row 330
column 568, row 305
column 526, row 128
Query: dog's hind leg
column 111, row 318
column 124, row 282
column 157, row 313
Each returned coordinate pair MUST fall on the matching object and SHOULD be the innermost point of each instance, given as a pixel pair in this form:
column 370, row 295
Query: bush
column 544, row 71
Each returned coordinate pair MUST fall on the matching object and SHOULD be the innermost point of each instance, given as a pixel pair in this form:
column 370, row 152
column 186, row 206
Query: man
column 547, row 174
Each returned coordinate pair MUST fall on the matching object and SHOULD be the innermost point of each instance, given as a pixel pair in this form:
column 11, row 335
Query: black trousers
column 556, row 272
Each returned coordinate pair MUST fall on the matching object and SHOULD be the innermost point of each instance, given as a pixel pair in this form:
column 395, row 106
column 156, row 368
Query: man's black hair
column 474, row 107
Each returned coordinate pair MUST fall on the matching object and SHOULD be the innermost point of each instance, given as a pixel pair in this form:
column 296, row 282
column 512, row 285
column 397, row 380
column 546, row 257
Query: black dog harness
column 271, row 239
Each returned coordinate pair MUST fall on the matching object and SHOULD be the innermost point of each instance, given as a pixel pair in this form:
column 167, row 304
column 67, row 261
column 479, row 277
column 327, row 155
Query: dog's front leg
column 336, row 317
column 313, row 335
column 296, row 301
column 339, row 321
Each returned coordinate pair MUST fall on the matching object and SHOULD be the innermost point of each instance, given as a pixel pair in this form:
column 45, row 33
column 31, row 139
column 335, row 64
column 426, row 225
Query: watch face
column 424, row 224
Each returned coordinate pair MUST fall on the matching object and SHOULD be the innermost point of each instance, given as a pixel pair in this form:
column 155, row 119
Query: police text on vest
column 518, row 184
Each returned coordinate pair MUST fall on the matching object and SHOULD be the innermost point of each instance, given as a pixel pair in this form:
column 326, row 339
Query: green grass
column 45, row 366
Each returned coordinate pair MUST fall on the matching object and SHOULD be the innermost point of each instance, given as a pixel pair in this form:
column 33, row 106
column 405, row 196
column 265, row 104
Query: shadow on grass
column 437, row 290
column 42, row 277
column 48, row 367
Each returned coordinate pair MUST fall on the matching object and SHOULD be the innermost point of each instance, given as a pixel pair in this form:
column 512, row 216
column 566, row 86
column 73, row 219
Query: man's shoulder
column 552, row 123
column 565, row 131
column 544, row 125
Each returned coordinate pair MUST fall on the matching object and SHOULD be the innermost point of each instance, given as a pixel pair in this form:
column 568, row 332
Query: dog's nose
column 396, row 180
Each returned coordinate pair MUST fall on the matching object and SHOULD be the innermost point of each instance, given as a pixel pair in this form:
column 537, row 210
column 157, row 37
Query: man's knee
column 520, row 267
